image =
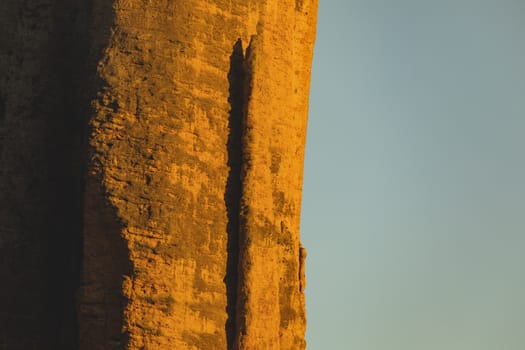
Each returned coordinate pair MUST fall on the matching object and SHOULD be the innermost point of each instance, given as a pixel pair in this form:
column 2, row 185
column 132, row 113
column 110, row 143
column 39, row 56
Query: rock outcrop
column 151, row 173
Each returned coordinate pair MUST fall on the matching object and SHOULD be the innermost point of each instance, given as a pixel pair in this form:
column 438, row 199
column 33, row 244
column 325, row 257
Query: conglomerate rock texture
column 151, row 169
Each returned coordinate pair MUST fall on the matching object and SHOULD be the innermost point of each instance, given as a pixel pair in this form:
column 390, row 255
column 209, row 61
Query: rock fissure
column 233, row 191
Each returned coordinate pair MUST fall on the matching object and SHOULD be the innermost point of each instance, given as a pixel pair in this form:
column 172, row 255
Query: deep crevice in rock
column 233, row 191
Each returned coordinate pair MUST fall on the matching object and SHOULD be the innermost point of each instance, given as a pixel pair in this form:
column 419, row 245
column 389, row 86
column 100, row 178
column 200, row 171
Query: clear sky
column 414, row 193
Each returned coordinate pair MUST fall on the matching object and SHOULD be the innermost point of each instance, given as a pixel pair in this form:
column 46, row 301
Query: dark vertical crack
column 233, row 190
column 245, row 161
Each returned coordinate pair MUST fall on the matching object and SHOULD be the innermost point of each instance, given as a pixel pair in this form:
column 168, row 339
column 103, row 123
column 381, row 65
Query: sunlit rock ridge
column 151, row 173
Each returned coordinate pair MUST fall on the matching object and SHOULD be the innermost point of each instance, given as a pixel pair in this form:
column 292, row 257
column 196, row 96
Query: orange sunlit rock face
column 195, row 121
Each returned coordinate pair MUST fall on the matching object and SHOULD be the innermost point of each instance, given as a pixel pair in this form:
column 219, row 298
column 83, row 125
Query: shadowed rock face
column 151, row 170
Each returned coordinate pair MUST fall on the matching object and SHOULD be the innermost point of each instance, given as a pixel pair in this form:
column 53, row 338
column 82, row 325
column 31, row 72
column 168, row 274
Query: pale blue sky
column 414, row 194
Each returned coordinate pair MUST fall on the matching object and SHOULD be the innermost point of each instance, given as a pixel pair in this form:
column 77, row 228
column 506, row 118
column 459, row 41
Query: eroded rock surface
column 152, row 174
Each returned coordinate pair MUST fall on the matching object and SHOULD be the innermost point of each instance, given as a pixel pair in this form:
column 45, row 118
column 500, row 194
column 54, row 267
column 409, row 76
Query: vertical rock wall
column 41, row 167
column 271, row 301
column 191, row 143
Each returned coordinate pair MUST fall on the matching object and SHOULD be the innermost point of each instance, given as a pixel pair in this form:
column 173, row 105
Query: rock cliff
column 151, row 172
